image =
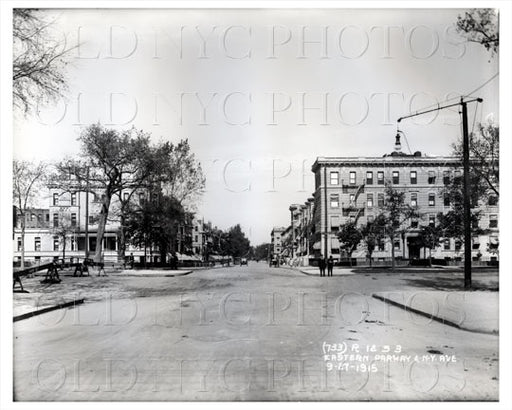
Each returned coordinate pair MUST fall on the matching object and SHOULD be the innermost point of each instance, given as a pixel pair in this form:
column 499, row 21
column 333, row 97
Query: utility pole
column 467, row 197
column 466, row 181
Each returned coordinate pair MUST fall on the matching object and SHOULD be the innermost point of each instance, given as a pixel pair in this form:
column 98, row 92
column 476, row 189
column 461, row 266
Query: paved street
column 250, row 333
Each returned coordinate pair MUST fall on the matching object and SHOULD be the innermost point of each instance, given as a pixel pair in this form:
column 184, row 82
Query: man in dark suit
column 330, row 265
column 321, row 265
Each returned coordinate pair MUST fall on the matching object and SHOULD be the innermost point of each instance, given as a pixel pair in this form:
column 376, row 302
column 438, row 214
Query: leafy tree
column 394, row 215
column 373, row 234
column 484, row 180
column 452, row 223
column 430, row 238
column 349, row 237
column 262, row 251
column 28, row 178
column 39, row 61
column 113, row 162
column 484, row 150
column 480, row 26
column 155, row 224
column 237, row 244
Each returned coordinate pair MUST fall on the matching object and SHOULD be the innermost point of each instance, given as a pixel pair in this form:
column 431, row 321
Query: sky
column 261, row 93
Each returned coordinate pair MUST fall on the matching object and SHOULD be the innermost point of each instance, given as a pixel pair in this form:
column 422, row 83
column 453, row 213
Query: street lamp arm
column 438, row 108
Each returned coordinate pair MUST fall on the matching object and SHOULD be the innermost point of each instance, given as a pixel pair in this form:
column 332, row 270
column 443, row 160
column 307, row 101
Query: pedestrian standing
column 330, row 265
column 321, row 265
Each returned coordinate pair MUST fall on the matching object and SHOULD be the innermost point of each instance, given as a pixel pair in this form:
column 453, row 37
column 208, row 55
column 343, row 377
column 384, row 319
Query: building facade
column 353, row 189
column 61, row 230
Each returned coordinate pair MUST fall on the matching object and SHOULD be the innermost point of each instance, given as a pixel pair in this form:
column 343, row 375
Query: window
column 414, row 199
column 73, row 219
column 432, row 220
column 493, row 221
column 196, row 238
column 335, row 201
column 476, row 244
column 369, row 178
column 55, row 220
column 457, row 174
column 33, row 217
column 55, row 199
column 369, row 200
column 414, row 222
column 196, row 228
column 351, row 199
column 431, row 199
column 335, row 178
column 396, row 177
column 414, row 178
column 73, row 198
column 19, row 244
column 493, row 200
column 55, row 243
column 447, row 245
column 458, row 245
column 431, row 177
column 47, row 217
column 37, row 244
column 397, row 245
column 380, row 177
column 446, row 200
column 380, row 200
column 126, row 195
column 352, row 178
column 381, row 245
column 446, row 177
column 335, row 222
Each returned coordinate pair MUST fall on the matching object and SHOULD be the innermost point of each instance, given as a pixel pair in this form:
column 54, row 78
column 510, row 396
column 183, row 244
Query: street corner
column 475, row 311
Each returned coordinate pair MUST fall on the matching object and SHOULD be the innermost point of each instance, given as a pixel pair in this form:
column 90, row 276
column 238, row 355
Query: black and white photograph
column 255, row 202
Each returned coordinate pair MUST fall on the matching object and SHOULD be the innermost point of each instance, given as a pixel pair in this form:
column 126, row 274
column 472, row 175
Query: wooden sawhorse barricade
column 83, row 267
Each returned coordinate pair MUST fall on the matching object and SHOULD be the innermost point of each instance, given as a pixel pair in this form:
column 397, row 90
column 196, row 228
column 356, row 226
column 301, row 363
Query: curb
column 48, row 309
column 155, row 275
column 435, row 318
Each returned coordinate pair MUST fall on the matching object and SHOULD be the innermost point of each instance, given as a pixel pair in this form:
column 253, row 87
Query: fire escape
column 352, row 211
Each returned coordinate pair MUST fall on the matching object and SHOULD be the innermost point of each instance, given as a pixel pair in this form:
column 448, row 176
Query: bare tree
column 38, row 62
column 27, row 179
column 65, row 228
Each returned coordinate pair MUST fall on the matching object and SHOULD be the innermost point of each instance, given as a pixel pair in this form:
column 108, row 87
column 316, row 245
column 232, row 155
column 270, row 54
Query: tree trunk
column 22, row 262
column 370, row 259
column 64, row 249
column 102, row 222
column 392, row 253
column 121, row 248
column 430, row 257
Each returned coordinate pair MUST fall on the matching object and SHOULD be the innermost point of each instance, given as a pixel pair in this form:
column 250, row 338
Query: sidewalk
column 153, row 272
column 314, row 271
column 476, row 311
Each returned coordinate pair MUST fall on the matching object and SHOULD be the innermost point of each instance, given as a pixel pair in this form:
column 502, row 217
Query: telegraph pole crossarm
column 466, row 180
